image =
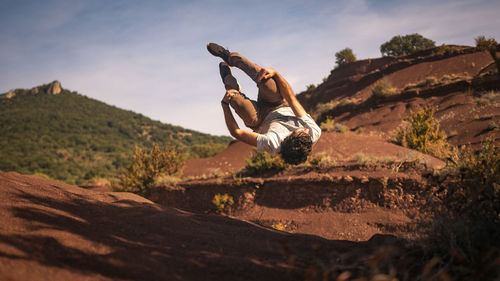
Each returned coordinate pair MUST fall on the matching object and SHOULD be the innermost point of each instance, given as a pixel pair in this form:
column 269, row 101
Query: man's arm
column 284, row 89
column 245, row 136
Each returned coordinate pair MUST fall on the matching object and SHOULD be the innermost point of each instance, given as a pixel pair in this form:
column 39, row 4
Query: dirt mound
column 54, row 231
column 461, row 84
column 339, row 146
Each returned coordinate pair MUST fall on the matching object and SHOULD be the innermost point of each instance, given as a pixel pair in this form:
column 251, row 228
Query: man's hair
column 295, row 149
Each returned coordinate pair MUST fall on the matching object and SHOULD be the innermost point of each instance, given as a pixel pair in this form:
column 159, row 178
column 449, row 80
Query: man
column 279, row 122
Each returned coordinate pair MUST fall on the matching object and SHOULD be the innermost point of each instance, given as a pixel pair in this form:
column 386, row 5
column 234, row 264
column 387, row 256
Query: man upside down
column 279, row 122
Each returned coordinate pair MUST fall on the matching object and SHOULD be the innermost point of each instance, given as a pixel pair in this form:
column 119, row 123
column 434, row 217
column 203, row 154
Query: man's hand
column 265, row 73
column 229, row 95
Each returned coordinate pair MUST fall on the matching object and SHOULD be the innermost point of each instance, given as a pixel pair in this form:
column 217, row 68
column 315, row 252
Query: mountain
column 67, row 136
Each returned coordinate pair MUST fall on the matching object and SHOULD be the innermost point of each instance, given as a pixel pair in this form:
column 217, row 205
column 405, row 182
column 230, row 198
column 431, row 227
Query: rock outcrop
column 10, row 94
column 54, row 88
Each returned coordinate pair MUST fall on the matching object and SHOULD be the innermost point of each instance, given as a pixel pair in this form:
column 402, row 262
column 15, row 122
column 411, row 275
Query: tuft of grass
column 279, row 226
column 325, row 107
column 327, row 125
column 167, row 180
column 382, row 90
column 320, row 160
column 222, row 201
column 262, row 162
column 488, row 98
column 447, row 49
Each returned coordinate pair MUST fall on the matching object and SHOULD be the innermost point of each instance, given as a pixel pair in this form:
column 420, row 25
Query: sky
column 150, row 56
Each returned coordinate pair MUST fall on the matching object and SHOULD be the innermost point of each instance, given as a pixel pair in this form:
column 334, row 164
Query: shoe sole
column 218, row 51
column 225, row 70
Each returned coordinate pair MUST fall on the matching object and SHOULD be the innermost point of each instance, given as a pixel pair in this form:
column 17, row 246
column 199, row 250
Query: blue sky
column 150, row 56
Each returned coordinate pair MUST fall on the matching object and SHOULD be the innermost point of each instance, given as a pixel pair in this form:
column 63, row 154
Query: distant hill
column 461, row 82
column 67, row 136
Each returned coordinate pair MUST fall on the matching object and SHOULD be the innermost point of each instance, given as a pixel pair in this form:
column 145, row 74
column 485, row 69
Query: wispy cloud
column 150, row 57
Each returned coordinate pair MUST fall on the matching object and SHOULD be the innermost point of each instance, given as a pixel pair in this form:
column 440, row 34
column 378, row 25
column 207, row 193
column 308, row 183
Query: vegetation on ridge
column 344, row 56
column 405, row 45
column 73, row 138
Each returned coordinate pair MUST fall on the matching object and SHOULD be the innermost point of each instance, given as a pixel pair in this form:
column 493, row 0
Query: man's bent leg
column 246, row 110
column 268, row 91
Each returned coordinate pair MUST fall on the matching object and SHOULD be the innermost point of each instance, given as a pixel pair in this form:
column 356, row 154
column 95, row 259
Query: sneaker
column 228, row 78
column 218, row 51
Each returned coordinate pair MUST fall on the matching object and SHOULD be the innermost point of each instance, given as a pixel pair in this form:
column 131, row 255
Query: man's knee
column 234, row 58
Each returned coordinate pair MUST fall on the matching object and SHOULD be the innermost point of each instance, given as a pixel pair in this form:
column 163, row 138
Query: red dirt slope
column 340, row 146
column 460, row 83
column 54, row 231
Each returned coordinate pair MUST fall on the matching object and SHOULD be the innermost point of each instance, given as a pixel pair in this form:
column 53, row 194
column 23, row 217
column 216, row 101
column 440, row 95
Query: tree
column 404, row 45
column 344, row 56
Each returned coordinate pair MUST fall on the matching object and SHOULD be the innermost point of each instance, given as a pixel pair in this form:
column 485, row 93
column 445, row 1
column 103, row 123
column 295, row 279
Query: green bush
column 447, row 49
column 422, row 133
column 262, row 162
column 469, row 224
column 483, row 43
column 405, row 45
column 344, row 56
column 147, row 166
column 493, row 53
column 382, row 90
column 483, row 165
column 327, row 125
column 320, row 160
column 222, row 201
column 310, row 87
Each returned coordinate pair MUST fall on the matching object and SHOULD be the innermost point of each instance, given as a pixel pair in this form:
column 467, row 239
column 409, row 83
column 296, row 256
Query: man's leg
column 268, row 91
column 244, row 107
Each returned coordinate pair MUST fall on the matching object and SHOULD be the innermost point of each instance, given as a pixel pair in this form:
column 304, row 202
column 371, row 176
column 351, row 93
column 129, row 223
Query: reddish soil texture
column 340, row 147
column 54, row 231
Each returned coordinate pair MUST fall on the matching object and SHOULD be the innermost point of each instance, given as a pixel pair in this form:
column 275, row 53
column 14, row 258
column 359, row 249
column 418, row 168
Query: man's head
column 296, row 147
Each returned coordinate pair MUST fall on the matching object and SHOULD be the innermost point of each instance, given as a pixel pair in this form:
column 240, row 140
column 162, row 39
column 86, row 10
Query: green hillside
column 73, row 138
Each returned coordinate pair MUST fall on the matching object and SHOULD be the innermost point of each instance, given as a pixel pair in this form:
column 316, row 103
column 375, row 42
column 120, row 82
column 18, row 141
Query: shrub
column 447, row 49
column 484, row 166
column 493, row 53
column 404, row 45
column 222, row 201
column 147, row 166
column 325, row 107
column 488, row 98
column 483, row 43
column 469, row 224
column 327, row 125
column 382, row 90
column 262, row 162
column 310, row 87
column 422, row 133
column 320, row 160
column 344, row 56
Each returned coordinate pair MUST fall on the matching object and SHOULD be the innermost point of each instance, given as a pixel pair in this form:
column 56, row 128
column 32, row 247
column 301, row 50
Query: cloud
column 150, row 57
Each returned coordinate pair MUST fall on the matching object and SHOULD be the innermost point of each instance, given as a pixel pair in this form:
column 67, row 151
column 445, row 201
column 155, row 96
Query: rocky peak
column 54, row 88
column 10, row 94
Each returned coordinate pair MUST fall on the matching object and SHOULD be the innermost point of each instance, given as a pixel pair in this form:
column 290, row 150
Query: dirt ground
column 53, row 231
